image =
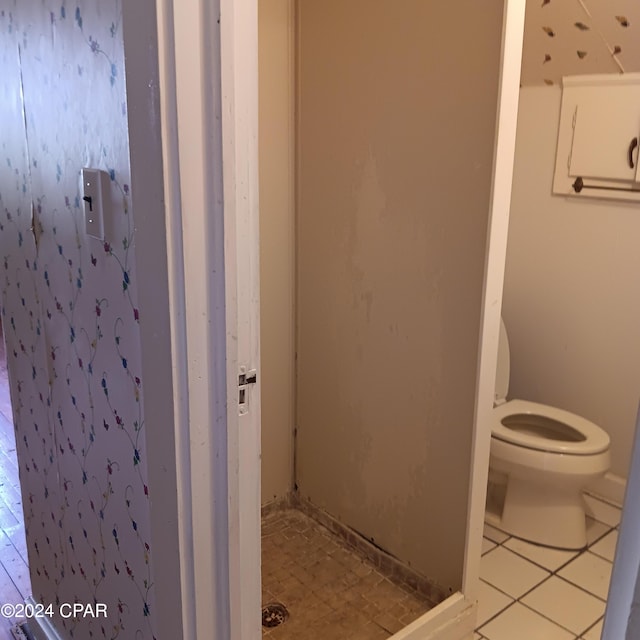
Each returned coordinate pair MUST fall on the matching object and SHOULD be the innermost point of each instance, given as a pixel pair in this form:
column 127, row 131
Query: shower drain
column 274, row 614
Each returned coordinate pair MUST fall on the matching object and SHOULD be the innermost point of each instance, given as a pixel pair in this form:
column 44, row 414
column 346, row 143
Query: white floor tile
column 520, row 623
column 595, row 530
column 494, row 534
column 603, row 511
column 589, row 572
column 546, row 557
column 595, row 633
column 606, row 548
column 487, row 545
column 490, row 602
column 565, row 604
column 509, row 572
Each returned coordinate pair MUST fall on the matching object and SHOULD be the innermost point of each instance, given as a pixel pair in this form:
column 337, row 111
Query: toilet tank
column 503, row 367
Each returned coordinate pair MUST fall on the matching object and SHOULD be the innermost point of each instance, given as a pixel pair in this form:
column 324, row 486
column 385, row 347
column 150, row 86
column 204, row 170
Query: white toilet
column 548, row 457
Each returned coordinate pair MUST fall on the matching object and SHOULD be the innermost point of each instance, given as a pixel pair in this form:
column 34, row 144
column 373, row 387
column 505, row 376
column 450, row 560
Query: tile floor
column 331, row 593
column 531, row 592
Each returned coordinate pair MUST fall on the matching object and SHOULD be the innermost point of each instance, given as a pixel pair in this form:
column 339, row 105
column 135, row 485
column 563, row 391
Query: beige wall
column 276, row 244
column 572, row 298
column 396, row 133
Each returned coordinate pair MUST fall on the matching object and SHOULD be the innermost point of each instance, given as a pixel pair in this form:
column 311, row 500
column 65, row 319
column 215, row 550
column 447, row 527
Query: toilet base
column 544, row 515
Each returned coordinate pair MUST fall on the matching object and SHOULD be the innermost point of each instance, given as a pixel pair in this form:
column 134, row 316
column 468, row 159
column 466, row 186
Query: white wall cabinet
column 598, row 137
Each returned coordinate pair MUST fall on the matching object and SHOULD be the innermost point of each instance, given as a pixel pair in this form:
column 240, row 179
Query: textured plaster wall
column 71, row 315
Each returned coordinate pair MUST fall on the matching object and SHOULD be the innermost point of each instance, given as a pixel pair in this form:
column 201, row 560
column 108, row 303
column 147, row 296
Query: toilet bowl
column 548, row 457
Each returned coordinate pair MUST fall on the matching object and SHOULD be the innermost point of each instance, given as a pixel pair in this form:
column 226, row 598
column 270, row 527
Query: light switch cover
column 95, row 195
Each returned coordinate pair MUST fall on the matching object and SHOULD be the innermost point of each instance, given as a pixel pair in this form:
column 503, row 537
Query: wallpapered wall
column 70, row 314
column 575, row 37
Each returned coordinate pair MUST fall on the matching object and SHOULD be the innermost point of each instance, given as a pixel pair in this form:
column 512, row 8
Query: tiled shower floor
column 330, row 592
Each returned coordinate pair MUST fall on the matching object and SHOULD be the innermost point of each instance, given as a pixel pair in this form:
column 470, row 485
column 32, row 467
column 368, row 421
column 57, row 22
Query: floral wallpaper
column 575, row 37
column 70, row 317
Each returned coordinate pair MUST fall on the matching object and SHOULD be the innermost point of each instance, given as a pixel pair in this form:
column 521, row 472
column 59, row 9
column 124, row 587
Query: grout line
column 498, row 613
column 542, row 615
column 606, row 533
column 551, row 573
column 584, row 589
column 539, row 584
column 600, row 619
column 541, row 566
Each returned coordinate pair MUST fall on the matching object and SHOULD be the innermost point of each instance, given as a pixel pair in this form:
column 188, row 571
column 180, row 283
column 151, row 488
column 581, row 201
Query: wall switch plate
column 96, row 198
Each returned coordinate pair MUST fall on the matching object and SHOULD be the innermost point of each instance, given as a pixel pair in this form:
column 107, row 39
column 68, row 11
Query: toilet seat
column 583, row 437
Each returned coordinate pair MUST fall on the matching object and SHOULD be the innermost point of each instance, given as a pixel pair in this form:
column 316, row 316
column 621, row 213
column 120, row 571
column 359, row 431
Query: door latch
column 245, row 378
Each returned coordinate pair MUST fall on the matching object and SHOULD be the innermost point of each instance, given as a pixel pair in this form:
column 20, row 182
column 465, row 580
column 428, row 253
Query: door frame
column 495, row 261
column 208, row 54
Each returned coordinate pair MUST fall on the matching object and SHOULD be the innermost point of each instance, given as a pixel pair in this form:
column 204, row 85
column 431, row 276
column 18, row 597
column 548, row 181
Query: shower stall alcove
column 377, row 128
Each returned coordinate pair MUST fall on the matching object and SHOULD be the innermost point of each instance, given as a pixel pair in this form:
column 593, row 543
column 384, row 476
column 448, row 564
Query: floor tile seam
column 504, row 593
column 499, row 544
column 599, row 555
column 13, row 582
column 595, row 624
column 20, row 554
column 503, row 611
column 495, row 615
column 539, row 584
column 9, row 456
column 602, row 535
column 10, row 543
column 541, row 566
column 579, row 553
column 9, row 474
column 10, row 508
column 547, row 571
column 377, row 624
column 558, row 624
column 524, row 595
column 519, row 600
column 582, row 588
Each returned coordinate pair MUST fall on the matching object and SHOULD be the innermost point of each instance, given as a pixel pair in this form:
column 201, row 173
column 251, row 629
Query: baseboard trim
column 611, row 488
column 41, row 628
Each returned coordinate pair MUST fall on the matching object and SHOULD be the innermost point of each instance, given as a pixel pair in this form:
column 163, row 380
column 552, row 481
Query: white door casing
column 496, row 255
column 208, row 78
column 239, row 44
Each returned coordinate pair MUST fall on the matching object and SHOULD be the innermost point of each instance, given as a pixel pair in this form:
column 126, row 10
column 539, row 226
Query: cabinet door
column 606, row 121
